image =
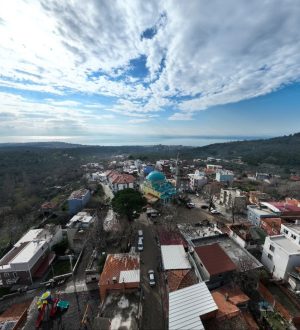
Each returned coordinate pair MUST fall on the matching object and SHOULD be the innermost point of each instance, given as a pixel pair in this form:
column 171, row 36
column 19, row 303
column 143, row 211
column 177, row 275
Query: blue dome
column 156, row 176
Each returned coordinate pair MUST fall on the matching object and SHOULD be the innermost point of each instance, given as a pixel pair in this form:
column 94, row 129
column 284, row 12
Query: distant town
column 161, row 244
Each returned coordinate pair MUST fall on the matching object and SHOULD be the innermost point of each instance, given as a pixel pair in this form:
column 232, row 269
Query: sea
column 119, row 140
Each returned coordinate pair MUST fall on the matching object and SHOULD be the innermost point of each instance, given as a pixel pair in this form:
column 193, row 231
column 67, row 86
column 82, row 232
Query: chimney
column 226, row 296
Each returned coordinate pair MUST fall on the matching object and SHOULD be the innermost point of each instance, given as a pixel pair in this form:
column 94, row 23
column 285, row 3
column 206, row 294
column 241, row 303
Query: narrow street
column 153, row 316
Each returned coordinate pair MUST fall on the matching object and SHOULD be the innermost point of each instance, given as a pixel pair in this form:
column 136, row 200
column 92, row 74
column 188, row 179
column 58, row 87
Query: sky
column 98, row 70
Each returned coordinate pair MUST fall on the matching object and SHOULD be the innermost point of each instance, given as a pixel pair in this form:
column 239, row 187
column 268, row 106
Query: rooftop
column 286, row 244
column 293, row 226
column 84, row 218
column 284, row 206
column 214, row 259
column 29, row 250
column 186, row 306
column 261, row 211
column 182, row 278
column 116, row 264
column 167, row 237
column 240, row 256
column 192, row 232
column 78, row 194
column 174, row 257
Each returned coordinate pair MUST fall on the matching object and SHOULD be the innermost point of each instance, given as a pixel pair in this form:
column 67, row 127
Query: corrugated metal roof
column 174, row 257
column 187, row 305
column 129, row 276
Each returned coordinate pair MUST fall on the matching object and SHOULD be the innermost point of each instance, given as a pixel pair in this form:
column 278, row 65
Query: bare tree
column 210, row 191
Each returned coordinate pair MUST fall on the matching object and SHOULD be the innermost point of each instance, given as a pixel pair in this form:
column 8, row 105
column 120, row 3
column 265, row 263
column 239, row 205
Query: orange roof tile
column 179, row 279
column 235, row 295
column 115, row 263
column 226, row 309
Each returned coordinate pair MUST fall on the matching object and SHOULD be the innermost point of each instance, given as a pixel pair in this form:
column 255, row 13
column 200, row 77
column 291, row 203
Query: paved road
column 153, row 317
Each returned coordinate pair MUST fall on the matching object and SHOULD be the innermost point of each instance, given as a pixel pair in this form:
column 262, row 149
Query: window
column 272, row 248
column 6, row 274
column 293, row 236
column 270, row 256
column 285, row 231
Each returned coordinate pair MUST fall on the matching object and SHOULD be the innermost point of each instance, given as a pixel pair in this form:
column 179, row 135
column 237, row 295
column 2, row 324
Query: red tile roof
column 214, row 259
column 115, row 263
column 116, row 177
column 171, row 238
column 179, row 279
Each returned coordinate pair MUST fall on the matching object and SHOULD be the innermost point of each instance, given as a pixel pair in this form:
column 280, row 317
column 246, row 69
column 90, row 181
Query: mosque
column 156, row 187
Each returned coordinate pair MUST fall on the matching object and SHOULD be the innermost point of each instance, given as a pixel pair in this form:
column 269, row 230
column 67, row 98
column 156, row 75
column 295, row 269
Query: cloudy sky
column 83, row 70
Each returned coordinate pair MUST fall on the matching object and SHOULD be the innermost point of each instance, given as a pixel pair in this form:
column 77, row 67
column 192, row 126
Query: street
column 153, row 315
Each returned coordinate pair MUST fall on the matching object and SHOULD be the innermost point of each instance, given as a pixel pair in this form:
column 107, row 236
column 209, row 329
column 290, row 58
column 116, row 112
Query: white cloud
column 202, row 54
column 181, row 116
column 138, row 121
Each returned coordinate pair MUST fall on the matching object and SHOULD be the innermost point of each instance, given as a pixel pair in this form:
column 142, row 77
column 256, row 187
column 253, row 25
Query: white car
column 213, row 211
column 151, row 277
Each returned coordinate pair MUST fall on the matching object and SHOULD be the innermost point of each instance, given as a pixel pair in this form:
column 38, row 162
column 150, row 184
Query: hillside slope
column 284, row 150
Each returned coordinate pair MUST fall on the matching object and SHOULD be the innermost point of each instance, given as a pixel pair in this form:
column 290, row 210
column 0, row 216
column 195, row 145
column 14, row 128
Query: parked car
column 214, row 211
column 140, row 245
column 190, row 205
column 151, row 277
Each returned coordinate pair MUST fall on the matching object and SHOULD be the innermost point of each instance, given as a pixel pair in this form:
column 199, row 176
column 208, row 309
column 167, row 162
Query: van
column 140, row 245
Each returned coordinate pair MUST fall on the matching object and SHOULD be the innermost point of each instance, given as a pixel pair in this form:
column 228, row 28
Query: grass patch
column 275, row 320
column 60, row 267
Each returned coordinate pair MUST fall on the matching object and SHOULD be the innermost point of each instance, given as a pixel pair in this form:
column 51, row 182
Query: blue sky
column 71, row 70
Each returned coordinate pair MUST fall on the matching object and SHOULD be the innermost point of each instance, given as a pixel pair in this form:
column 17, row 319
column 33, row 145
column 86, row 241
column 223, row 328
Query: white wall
column 288, row 232
column 282, row 261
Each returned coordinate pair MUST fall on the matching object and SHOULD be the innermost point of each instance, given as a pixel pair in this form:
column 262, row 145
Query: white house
column 197, row 180
column 281, row 253
column 224, row 176
column 119, row 181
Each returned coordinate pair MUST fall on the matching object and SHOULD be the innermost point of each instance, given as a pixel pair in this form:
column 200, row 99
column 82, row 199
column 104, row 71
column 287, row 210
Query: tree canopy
column 128, row 202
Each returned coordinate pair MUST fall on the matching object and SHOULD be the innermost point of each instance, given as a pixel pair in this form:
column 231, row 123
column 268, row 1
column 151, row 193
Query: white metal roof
column 28, row 252
column 29, row 236
column 187, row 305
column 129, row 276
column 174, row 257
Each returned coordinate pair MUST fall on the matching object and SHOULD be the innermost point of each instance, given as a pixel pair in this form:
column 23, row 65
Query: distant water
column 117, row 140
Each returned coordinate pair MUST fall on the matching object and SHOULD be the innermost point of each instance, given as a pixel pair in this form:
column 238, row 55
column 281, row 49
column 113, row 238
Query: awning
column 150, row 198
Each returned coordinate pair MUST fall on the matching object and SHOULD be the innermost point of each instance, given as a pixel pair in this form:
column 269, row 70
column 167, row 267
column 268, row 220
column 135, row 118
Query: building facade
column 77, row 200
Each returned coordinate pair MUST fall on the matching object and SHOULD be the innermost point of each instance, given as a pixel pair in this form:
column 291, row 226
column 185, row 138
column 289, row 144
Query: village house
column 197, row 180
column 189, row 306
column 121, row 272
column 120, row 181
column 77, row 200
column 214, row 265
column 30, row 257
column 77, row 229
column 233, row 198
column 244, row 235
column 271, row 226
column 281, row 253
column 177, row 268
column 224, row 176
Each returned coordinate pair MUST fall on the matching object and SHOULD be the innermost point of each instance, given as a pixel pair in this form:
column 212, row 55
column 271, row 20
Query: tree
column 128, row 202
column 210, row 191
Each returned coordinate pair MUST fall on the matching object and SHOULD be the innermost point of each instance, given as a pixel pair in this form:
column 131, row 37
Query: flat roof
column 29, row 236
column 187, row 305
column 235, row 252
column 129, row 276
column 174, row 257
column 260, row 211
column 286, row 244
column 215, row 259
column 83, row 217
column 28, row 252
